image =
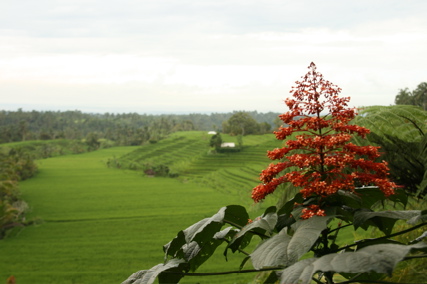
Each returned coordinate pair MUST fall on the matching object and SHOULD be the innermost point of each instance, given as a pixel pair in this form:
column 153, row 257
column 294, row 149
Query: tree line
column 416, row 97
column 123, row 129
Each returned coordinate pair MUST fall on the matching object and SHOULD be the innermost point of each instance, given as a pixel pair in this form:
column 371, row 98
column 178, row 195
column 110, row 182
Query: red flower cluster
column 312, row 210
column 321, row 159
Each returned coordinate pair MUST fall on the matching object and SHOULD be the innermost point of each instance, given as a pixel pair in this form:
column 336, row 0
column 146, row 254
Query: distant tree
column 264, row 127
column 23, row 128
column 45, row 136
column 186, row 125
column 241, row 123
column 417, row 97
column 92, row 140
column 420, row 95
column 278, row 122
column 216, row 141
column 404, row 97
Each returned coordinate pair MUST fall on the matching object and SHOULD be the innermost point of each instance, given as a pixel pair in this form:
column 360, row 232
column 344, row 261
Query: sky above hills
column 194, row 56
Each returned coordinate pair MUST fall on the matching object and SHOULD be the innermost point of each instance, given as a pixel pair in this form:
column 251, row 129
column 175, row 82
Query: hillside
column 188, row 156
column 99, row 224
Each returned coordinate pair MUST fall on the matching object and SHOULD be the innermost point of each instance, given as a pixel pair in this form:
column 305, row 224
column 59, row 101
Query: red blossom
column 312, row 210
column 320, row 158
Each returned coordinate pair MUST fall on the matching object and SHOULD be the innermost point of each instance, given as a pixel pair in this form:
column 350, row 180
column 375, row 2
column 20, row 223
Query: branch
column 376, row 281
column 240, row 227
column 415, row 256
column 224, row 272
column 354, row 280
column 239, row 249
column 382, row 238
column 340, row 227
column 233, row 224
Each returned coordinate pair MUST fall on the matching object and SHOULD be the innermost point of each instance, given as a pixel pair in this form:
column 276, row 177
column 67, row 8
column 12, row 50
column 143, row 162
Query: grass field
column 99, row 224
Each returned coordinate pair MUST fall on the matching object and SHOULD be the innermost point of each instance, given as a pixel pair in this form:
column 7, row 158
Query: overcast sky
column 173, row 56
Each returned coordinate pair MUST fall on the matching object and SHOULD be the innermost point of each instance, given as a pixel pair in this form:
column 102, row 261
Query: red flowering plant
column 341, row 186
column 324, row 159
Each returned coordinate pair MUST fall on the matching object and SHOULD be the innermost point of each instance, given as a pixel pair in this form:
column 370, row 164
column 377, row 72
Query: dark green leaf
column 289, row 206
column 284, row 220
column 260, row 226
column 244, row 262
column 196, row 255
column 272, row 278
column 205, row 233
column 236, row 214
column 176, row 266
column 306, row 234
column 283, row 249
column 300, row 272
column 380, row 258
column 422, row 217
column 420, row 238
column 349, row 199
column 272, row 252
column 369, row 276
column 369, row 195
column 399, row 196
column 384, row 220
column 226, row 233
column 175, row 245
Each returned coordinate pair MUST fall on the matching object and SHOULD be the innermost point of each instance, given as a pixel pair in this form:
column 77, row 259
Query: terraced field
column 188, row 155
column 99, row 224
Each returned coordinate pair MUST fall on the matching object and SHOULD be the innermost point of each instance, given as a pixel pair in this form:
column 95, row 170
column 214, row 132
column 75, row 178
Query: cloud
column 192, row 55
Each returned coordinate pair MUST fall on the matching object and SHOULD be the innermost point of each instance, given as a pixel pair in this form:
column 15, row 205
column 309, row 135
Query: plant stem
column 415, row 256
column 223, row 273
column 382, row 238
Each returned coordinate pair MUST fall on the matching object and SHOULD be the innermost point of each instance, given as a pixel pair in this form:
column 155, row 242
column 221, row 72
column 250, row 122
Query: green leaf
column 272, row 252
column 283, row 249
column 196, row 254
column 380, row 258
column 422, row 217
column 299, row 272
column 399, row 196
column 420, row 238
column 272, row 278
column 384, row 220
column 288, row 207
column 206, row 234
column 370, row 195
column 171, row 248
column 350, row 199
column 365, row 277
column 260, row 226
column 306, row 234
column 236, row 215
column 149, row 276
column 226, row 233
column 284, row 220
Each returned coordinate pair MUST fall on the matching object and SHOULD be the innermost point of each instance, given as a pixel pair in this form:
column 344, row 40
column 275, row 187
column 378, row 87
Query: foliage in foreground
column 340, row 184
column 401, row 131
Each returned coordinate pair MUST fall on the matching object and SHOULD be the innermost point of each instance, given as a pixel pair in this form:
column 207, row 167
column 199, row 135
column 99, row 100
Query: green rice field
column 100, row 224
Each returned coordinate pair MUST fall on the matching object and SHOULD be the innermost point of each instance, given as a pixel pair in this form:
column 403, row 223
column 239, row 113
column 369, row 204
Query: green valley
column 99, row 224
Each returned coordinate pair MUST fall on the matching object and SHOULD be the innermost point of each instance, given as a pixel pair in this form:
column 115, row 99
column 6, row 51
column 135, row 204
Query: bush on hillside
column 14, row 166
